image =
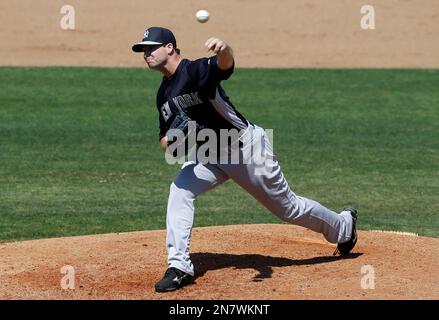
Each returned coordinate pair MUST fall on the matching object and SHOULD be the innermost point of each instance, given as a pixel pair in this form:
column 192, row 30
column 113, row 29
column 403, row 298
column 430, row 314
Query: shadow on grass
column 204, row 261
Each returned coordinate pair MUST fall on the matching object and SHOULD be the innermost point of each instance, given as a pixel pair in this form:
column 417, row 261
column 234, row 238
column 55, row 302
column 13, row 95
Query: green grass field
column 79, row 148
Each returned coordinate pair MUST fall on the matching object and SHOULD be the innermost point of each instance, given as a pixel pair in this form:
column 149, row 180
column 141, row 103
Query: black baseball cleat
column 173, row 280
column 345, row 248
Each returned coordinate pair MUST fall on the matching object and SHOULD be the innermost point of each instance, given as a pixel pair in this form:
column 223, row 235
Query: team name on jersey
column 187, row 100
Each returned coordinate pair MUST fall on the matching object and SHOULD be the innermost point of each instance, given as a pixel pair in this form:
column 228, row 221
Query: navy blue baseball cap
column 154, row 36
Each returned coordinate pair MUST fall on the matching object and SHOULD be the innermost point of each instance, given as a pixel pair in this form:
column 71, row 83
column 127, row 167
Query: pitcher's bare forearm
column 223, row 52
column 164, row 143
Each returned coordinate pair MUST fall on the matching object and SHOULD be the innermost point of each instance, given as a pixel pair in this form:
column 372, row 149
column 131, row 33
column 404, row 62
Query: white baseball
column 202, row 16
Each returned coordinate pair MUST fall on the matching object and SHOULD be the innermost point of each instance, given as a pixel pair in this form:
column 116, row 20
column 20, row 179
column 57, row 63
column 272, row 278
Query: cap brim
column 139, row 47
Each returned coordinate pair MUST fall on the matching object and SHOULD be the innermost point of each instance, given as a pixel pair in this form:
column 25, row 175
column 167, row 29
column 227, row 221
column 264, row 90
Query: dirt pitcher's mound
column 232, row 262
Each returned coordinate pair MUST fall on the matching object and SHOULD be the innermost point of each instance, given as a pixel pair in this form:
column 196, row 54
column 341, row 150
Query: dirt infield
column 283, row 33
column 232, row 262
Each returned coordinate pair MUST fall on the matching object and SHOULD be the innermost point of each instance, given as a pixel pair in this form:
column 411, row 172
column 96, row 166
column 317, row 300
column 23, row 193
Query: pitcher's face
column 155, row 56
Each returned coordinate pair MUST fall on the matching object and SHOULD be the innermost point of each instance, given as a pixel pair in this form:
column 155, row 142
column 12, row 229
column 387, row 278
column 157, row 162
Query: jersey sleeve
column 209, row 74
column 215, row 73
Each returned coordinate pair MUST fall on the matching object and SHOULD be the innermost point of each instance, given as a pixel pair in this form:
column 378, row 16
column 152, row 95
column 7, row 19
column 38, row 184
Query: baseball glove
column 182, row 127
column 180, row 122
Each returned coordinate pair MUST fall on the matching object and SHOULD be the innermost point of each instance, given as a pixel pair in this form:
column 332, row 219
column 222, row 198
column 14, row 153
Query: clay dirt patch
column 232, row 262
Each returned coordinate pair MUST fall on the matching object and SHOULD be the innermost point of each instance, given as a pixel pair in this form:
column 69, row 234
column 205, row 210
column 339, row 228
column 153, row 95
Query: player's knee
column 180, row 193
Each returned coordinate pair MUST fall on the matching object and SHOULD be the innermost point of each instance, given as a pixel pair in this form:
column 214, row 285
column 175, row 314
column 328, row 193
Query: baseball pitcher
column 191, row 92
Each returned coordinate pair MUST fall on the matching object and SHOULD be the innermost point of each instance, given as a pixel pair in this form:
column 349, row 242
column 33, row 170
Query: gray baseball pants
column 266, row 183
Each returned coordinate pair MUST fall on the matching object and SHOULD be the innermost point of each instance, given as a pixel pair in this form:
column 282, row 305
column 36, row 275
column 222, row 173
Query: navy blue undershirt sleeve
column 218, row 73
column 210, row 75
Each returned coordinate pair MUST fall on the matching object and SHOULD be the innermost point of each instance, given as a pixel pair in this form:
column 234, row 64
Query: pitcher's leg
column 336, row 228
column 193, row 179
column 268, row 185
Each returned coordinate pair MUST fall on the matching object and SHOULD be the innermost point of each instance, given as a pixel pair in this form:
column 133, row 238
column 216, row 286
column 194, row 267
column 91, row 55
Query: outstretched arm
column 223, row 52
